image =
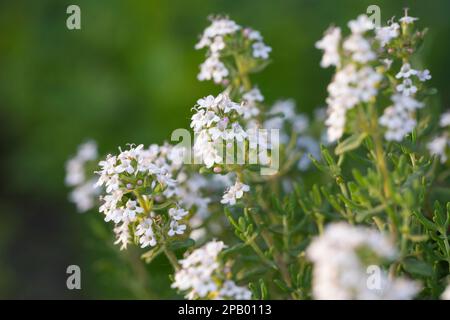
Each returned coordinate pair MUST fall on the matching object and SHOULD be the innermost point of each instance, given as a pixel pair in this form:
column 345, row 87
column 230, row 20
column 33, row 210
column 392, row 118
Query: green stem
column 447, row 247
column 342, row 186
column 279, row 261
column 243, row 74
column 172, row 258
column 382, row 167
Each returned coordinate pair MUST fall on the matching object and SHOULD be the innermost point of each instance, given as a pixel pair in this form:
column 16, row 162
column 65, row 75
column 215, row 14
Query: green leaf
column 281, row 285
column 351, row 143
column 417, row 267
column 162, row 205
column 315, row 195
column 176, row 245
column 263, row 288
column 254, row 290
column 424, row 221
column 233, row 249
column 439, row 217
column 230, row 218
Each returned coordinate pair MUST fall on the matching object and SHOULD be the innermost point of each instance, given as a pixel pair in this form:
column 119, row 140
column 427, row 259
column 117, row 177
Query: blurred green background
column 129, row 75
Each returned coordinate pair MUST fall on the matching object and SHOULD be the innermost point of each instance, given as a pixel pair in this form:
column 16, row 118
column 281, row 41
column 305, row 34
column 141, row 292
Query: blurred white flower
column 386, row 34
column 330, row 46
column 438, row 147
column 201, row 272
column 446, row 294
column 85, row 190
column 339, row 271
column 445, row 120
column 260, row 50
column 361, row 24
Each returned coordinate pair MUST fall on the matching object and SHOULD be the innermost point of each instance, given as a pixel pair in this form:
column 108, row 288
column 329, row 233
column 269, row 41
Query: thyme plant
column 240, row 221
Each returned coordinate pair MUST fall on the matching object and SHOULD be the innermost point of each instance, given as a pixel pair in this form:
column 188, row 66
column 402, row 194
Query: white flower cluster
column 385, row 34
column 214, row 38
column 340, row 272
column 355, row 81
column 350, row 87
column 216, row 122
column 439, row 145
column 399, row 118
column 133, row 179
column 201, row 276
column 283, row 116
column 250, row 103
column 85, row 192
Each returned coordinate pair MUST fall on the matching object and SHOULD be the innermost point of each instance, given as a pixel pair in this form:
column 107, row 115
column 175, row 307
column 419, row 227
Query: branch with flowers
column 373, row 224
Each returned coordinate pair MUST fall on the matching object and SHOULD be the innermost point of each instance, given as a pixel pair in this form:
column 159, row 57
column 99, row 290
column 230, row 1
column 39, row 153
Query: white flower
column 132, row 209
column 197, row 269
column 340, row 273
column 122, row 235
column 214, row 129
column 213, row 69
column 85, row 190
column 150, row 172
column 145, row 232
column 236, row 132
column 446, row 294
column 424, row 75
column 221, row 26
column 283, row 108
column 407, row 87
column 75, row 166
column 407, row 19
column 386, row 34
column 217, row 44
column 330, row 45
column 398, row 123
column 232, row 291
column 260, row 50
column 251, row 98
column 349, row 87
column 198, row 234
column 361, row 24
column 234, row 193
column 406, row 71
column 282, row 115
column 177, row 213
column 254, row 95
column 201, row 272
column 300, row 123
column 406, row 103
column 438, row 146
column 84, row 195
column 360, row 48
column 176, row 228
column 253, row 34
column 445, row 120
